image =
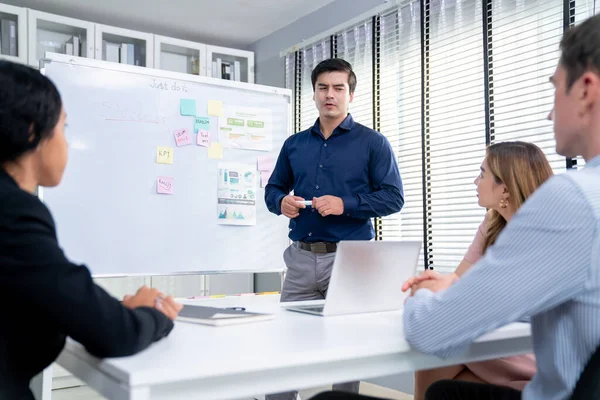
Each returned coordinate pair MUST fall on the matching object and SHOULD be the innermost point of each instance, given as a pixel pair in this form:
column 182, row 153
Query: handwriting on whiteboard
column 112, row 111
column 163, row 85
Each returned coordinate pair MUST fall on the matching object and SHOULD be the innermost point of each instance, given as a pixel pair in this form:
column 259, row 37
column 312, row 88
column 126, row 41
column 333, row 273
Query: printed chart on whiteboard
column 236, row 192
column 246, row 128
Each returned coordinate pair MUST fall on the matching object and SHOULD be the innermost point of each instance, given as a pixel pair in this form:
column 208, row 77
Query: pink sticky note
column 203, row 138
column 265, row 163
column 264, row 178
column 182, row 137
column 165, row 185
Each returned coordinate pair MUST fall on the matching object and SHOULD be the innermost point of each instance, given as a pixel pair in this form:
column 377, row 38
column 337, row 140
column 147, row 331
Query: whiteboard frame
column 251, row 87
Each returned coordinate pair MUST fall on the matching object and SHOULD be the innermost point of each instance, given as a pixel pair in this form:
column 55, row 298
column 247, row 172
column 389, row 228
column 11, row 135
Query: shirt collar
column 346, row 125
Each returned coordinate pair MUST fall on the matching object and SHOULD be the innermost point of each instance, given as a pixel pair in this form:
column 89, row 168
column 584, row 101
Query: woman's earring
column 503, row 203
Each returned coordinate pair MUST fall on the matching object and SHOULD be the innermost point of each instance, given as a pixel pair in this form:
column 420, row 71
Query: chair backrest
column 588, row 385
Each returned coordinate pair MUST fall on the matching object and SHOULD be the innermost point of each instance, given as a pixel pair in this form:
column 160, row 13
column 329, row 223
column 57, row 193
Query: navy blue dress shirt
column 355, row 163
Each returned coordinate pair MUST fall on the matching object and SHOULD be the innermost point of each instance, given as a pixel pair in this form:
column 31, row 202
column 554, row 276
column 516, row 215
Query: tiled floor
column 85, row 393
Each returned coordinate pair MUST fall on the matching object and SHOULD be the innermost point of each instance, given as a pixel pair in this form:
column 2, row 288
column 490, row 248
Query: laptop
column 367, row 276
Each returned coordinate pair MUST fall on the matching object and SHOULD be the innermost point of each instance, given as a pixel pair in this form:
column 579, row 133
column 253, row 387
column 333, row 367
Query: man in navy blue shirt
column 347, row 170
column 349, row 174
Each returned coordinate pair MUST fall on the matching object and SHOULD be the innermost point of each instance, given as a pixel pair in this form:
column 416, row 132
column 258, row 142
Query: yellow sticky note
column 215, row 108
column 215, row 150
column 164, row 155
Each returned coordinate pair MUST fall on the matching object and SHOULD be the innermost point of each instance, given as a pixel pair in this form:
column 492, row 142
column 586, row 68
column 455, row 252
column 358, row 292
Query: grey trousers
column 307, row 278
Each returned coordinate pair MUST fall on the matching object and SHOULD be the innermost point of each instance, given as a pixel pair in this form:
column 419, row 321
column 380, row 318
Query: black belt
column 317, row 247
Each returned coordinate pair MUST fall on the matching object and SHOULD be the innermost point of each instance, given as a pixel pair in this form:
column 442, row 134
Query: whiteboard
column 107, row 210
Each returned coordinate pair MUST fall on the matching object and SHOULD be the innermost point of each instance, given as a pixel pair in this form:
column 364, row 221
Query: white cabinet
column 232, row 64
column 13, row 33
column 26, row 35
column 58, row 34
column 179, row 55
column 124, row 46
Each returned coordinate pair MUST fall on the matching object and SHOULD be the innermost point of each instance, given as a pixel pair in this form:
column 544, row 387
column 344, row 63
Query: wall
column 270, row 67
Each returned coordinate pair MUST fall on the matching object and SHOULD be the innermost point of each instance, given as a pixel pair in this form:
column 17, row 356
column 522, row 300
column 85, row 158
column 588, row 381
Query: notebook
column 219, row 316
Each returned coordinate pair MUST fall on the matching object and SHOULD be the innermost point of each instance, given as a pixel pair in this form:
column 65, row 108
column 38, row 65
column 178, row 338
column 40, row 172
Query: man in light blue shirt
column 546, row 262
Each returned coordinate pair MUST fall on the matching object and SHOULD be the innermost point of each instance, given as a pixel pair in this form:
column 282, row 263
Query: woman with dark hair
column 48, row 297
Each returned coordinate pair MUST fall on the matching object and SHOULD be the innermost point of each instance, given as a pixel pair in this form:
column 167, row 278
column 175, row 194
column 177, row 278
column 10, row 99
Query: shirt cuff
column 278, row 204
column 350, row 204
column 420, row 295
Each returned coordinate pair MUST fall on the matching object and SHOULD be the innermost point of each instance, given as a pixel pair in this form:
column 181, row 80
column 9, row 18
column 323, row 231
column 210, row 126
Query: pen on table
column 262, row 293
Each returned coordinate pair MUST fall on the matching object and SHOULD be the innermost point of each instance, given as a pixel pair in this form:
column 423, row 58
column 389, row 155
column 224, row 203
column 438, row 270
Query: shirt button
column 317, row 187
column 313, row 210
column 325, row 144
column 320, row 165
column 309, row 233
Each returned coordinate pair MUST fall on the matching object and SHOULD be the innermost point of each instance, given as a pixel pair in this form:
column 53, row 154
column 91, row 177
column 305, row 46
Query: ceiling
column 233, row 23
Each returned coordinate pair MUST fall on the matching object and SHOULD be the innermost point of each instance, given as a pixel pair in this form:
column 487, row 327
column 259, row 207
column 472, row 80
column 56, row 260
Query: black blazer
column 45, row 298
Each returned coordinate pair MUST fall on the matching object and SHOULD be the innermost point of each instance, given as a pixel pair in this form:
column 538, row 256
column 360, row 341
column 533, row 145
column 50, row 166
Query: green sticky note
column 201, row 123
column 187, row 107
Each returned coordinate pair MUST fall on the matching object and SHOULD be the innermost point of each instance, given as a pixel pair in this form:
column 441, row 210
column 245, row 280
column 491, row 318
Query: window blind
column 456, row 132
column 582, row 10
column 400, row 117
column 523, row 53
column 450, row 76
column 310, row 57
column 290, row 70
column 355, row 46
column 290, row 83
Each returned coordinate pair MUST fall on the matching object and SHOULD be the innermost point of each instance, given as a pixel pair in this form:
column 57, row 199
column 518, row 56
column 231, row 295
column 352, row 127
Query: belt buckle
column 318, row 247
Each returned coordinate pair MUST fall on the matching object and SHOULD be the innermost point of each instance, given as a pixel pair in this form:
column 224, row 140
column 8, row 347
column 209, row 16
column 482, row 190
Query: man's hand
column 328, row 205
column 290, row 206
column 429, row 280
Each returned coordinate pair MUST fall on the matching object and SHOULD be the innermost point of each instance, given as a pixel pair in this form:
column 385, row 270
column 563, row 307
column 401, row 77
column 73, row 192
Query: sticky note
column 215, row 108
column 164, row 155
column 187, row 107
column 264, row 178
column 203, row 138
column 182, row 137
column 201, row 123
column 265, row 163
column 215, row 150
column 164, row 185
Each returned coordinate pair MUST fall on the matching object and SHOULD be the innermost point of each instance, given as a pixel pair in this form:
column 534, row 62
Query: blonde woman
column 510, row 173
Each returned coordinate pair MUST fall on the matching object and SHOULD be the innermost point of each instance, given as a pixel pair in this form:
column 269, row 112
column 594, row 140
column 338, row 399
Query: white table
column 293, row 351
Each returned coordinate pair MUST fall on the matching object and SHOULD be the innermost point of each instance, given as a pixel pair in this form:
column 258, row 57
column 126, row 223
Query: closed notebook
column 219, row 316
